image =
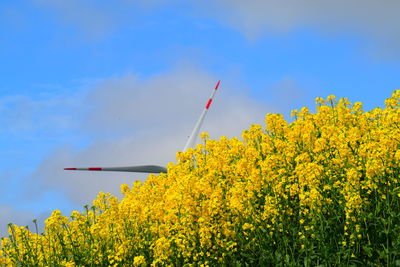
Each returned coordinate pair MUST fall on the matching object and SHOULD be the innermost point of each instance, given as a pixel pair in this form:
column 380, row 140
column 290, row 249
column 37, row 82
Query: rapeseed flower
column 323, row 189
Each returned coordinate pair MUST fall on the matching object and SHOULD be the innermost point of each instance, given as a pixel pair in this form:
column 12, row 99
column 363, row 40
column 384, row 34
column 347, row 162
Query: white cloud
column 287, row 92
column 135, row 121
column 42, row 113
column 376, row 20
column 373, row 19
column 9, row 214
column 97, row 19
column 93, row 17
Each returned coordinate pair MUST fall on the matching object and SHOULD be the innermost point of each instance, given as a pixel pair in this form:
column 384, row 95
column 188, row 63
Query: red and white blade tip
column 89, row 169
column 216, row 87
column 211, row 98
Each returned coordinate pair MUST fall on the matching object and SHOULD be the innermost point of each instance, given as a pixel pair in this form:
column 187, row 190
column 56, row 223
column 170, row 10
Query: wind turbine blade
column 143, row 168
column 192, row 139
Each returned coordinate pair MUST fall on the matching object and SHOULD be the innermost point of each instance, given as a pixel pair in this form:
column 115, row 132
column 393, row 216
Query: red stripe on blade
column 70, row 169
column 216, row 87
column 95, row 169
column 208, row 103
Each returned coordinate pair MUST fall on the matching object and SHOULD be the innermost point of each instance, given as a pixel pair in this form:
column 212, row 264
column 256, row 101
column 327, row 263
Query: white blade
column 196, row 130
column 144, row 168
column 154, row 168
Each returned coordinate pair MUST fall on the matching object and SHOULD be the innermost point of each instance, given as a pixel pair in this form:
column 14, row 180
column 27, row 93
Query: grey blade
column 142, row 168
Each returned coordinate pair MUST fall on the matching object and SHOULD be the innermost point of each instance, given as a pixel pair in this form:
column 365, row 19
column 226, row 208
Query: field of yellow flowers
column 321, row 190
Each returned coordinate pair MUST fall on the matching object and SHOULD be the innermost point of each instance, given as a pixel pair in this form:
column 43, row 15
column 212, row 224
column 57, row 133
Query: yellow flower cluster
column 292, row 187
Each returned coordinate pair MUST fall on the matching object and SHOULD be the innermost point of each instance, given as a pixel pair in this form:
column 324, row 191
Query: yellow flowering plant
column 321, row 190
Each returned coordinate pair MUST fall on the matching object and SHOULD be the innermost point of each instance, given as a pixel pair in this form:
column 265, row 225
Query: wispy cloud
column 9, row 214
column 25, row 113
column 143, row 121
column 95, row 18
column 129, row 120
column 375, row 21
column 287, row 92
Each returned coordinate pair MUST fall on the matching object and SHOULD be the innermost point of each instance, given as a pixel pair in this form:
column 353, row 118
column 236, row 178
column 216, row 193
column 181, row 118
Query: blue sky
column 122, row 83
